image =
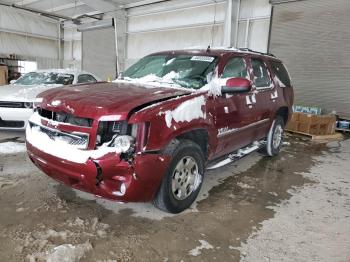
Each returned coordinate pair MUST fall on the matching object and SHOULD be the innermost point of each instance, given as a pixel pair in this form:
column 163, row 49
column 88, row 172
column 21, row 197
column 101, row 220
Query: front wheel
column 274, row 139
column 183, row 179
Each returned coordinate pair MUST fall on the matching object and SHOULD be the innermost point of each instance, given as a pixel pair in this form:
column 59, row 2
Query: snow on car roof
column 61, row 71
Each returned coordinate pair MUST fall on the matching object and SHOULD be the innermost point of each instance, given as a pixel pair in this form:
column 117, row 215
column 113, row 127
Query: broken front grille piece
column 64, row 117
column 79, row 140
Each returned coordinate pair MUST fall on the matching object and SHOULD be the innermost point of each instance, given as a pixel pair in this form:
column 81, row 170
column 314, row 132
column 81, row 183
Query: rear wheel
column 274, row 139
column 183, row 179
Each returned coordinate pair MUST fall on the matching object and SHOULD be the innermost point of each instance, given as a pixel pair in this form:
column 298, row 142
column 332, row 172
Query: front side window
column 261, row 75
column 281, row 73
column 188, row 71
column 235, row 67
column 45, row 78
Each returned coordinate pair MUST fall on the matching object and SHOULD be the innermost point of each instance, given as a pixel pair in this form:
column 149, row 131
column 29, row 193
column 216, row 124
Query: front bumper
column 14, row 118
column 103, row 177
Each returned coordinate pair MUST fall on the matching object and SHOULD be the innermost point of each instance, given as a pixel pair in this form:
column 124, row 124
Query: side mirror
column 12, row 82
column 236, row 85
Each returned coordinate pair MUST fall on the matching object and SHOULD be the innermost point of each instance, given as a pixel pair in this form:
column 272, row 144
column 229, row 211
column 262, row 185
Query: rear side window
column 86, row 78
column 281, row 73
column 261, row 75
column 235, row 67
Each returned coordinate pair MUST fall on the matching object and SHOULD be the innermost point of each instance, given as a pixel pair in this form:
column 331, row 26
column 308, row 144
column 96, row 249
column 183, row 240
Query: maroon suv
column 150, row 135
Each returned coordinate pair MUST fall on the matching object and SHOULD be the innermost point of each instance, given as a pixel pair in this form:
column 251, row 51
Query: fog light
column 28, row 104
column 121, row 191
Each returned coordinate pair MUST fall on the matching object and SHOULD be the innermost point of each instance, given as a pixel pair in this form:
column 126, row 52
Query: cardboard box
column 312, row 124
column 3, row 75
column 292, row 125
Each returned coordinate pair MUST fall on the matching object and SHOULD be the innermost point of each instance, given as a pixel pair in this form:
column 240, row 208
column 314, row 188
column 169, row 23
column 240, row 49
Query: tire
column 181, row 183
column 274, row 139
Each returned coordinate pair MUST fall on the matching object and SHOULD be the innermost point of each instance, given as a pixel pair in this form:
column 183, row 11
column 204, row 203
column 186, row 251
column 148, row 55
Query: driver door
column 234, row 113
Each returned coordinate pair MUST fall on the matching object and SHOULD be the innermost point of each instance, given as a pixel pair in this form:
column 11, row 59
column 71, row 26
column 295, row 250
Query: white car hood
column 22, row 93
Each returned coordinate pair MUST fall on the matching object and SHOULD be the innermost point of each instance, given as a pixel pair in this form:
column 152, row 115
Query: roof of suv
column 217, row 51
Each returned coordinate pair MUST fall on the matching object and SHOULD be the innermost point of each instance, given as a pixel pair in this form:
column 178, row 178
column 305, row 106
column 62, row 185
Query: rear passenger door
column 265, row 93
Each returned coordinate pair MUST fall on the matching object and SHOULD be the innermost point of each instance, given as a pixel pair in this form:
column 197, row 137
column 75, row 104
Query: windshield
column 45, row 78
column 185, row 70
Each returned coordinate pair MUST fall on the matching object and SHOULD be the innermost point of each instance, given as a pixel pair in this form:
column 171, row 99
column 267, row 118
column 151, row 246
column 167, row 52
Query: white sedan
column 17, row 99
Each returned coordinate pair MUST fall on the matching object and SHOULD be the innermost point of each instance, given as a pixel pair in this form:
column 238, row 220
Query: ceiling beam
column 64, row 7
column 101, row 5
column 143, row 3
column 26, row 2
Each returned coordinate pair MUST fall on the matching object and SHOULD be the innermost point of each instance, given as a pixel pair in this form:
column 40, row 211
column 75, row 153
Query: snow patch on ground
column 186, row 111
column 315, row 216
column 197, row 251
column 62, row 253
column 12, row 148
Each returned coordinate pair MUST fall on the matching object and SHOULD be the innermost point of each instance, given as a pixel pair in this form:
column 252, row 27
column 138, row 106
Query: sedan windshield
column 45, row 78
column 185, row 70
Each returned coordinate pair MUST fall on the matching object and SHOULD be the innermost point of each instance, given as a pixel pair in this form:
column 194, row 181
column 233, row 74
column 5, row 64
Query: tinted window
column 281, row 73
column 86, row 79
column 261, row 75
column 235, row 67
column 45, row 78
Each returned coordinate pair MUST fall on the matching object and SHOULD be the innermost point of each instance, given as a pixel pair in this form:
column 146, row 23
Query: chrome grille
column 76, row 139
column 9, row 104
column 64, row 117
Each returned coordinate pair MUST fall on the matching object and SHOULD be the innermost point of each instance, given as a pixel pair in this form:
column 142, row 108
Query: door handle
column 274, row 95
column 250, row 100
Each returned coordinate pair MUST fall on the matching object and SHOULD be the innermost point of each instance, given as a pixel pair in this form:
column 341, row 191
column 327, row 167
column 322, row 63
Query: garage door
column 98, row 52
column 312, row 37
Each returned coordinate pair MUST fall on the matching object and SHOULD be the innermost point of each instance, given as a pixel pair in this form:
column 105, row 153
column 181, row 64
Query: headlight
column 38, row 100
column 124, row 143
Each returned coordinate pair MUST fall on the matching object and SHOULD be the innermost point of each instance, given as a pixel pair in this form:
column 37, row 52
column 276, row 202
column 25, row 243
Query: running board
column 239, row 154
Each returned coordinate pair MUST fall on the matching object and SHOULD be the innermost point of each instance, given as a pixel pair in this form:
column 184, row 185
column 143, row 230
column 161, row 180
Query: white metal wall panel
column 98, row 52
column 174, row 25
column 312, row 37
column 23, row 22
column 140, row 45
column 183, row 23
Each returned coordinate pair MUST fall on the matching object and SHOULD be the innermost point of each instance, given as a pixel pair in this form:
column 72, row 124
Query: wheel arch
column 199, row 136
column 284, row 113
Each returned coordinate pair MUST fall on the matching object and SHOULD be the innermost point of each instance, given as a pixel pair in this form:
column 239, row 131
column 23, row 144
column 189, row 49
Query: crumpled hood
column 22, row 93
column 105, row 99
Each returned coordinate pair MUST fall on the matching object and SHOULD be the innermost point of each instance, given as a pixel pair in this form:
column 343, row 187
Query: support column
column 60, row 45
column 231, row 23
column 119, row 19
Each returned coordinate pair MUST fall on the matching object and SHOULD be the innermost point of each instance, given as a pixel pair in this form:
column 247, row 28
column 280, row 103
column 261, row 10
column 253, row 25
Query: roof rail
column 252, row 51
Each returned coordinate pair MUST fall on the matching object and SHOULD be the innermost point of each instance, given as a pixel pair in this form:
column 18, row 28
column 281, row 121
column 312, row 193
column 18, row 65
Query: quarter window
column 86, row 79
column 261, row 75
column 281, row 73
column 235, row 67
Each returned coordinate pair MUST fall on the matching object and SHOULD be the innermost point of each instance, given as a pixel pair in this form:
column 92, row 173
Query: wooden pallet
column 342, row 130
column 336, row 136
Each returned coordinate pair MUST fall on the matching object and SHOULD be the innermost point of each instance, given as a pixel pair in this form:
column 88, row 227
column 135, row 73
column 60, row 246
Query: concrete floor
column 294, row 207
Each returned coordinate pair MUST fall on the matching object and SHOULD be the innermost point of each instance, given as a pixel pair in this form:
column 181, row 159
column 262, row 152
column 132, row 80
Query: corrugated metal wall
column 313, row 38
